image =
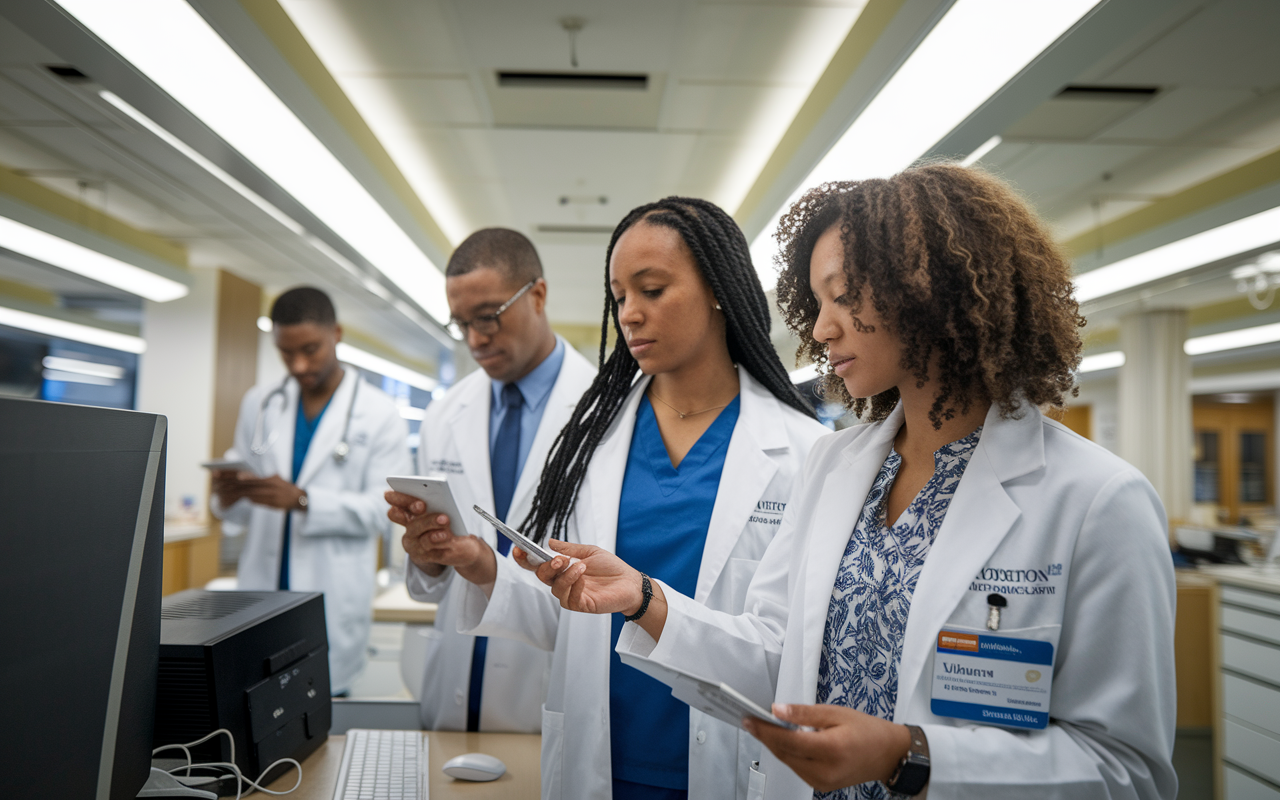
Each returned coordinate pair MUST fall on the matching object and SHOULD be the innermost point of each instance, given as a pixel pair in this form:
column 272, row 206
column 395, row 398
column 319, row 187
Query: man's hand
column 228, row 487
column 431, row 544
column 273, row 492
column 846, row 749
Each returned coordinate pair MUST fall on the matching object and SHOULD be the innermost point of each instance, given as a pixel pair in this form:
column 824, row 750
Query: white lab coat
column 455, row 441
column 766, row 452
column 333, row 543
column 1034, row 496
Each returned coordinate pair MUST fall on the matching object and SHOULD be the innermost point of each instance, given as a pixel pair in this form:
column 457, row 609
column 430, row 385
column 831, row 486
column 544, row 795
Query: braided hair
column 724, row 260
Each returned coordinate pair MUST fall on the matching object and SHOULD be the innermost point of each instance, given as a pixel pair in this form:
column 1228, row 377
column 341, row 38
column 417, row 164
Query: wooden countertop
column 395, row 605
column 519, row 751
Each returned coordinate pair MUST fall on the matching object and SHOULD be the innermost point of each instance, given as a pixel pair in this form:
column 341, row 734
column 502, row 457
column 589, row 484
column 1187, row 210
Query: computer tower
column 255, row 663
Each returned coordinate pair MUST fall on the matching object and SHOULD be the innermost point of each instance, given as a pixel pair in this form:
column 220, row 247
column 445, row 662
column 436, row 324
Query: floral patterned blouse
column 867, row 617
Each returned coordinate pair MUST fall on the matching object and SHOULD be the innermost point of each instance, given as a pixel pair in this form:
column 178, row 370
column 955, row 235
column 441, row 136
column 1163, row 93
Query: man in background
column 490, row 434
column 322, row 444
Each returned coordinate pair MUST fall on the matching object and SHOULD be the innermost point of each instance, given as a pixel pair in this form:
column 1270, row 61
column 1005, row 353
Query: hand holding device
column 841, row 747
column 228, row 465
column 435, row 492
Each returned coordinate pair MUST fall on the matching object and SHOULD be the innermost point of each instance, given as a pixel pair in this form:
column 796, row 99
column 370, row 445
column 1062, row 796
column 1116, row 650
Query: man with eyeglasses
column 483, row 434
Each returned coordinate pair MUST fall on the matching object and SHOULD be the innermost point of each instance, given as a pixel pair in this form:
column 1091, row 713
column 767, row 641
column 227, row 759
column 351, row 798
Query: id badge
column 992, row 679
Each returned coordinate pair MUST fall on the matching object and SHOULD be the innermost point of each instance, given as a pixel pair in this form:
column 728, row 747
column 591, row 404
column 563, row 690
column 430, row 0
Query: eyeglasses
column 489, row 324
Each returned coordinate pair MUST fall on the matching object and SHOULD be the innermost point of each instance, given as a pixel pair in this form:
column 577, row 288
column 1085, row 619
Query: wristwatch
column 302, row 501
column 913, row 770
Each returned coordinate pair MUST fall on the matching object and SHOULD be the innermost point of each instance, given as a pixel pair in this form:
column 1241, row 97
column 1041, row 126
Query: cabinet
column 1247, row 740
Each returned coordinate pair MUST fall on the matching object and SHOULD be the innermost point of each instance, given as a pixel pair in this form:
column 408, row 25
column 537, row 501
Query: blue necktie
column 504, row 470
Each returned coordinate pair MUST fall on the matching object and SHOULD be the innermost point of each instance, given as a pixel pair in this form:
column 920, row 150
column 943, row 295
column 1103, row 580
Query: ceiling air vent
column 1131, row 93
column 595, row 230
column 68, row 73
column 573, row 80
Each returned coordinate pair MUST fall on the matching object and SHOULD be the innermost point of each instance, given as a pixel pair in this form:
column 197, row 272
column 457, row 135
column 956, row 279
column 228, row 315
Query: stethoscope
column 260, row 448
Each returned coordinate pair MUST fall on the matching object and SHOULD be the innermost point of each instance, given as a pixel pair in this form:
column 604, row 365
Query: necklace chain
column 681, row 413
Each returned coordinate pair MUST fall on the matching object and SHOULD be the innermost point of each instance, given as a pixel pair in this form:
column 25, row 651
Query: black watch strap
column 646, row 589
column 913, row 770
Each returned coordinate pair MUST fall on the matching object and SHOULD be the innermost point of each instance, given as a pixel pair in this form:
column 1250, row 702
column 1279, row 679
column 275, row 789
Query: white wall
column 175, row 378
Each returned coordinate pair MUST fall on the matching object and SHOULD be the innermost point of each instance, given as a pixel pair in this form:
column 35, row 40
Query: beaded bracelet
column 647, row 590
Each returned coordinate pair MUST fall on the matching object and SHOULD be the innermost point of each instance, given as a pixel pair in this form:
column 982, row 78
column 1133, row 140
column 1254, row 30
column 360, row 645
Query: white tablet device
column 536, row 552
column 719, row 700
column 434, row 491
column 227, row 465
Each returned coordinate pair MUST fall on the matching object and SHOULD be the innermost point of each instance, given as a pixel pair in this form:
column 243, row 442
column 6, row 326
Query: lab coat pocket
column 755, row 784
column 552, row 753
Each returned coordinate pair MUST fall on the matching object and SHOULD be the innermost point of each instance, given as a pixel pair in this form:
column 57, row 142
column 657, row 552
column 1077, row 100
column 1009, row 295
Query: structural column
column 1154, row 421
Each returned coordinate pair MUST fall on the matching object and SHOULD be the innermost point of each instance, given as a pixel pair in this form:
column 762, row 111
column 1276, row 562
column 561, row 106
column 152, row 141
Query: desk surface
column 395, row 605
column 519, row 751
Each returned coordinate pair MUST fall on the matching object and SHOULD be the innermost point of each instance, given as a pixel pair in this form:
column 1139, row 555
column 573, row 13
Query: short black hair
column 497, row 248
column 303, row 304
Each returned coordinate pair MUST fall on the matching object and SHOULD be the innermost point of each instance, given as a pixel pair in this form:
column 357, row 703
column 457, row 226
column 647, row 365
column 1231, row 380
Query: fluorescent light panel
column 983, row 149
column 1224, row 241
column 62, row 329
column 364, row 360
column 76, row 377
column 175, row 47
column 1101, row 361
column 58, row 252
column 1232, row 340
column 91, row 368
column 944, row 81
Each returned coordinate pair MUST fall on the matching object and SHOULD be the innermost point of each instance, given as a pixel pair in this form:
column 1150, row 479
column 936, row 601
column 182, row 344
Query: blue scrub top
column 663, row 518
column 303, row 431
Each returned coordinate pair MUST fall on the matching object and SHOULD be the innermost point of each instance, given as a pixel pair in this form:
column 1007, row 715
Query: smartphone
column 435, row 492
column 227, row 465
column 738, row 705
column 536, row 552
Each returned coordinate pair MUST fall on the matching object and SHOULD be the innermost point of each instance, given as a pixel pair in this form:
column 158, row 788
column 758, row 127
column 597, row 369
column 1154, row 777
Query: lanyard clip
column 995, row 602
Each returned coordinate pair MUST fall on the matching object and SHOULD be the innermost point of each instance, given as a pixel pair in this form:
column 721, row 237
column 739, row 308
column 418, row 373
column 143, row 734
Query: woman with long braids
column 965, row 598
column 684, row 473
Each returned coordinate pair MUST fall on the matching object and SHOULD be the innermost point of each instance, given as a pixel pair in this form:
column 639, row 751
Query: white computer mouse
column 474, row 767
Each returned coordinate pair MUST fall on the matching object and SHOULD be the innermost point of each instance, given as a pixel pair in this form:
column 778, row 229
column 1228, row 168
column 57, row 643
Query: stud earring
column 717, row 307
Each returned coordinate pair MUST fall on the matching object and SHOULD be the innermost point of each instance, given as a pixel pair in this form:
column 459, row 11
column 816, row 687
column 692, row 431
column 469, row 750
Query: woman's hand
column 597, row 583
column 431, row 544
column 846, row 748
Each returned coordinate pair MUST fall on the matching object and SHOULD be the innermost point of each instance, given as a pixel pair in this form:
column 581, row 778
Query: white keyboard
column 383, row 765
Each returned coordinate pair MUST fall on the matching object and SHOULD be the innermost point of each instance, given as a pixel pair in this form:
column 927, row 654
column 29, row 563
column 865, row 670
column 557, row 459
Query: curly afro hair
column 960, row 268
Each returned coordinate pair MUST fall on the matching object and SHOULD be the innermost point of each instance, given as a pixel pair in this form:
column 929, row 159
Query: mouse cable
column 229, row 766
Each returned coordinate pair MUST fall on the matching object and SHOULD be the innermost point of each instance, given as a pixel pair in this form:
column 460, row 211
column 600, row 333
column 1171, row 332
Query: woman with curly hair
column 965, row 598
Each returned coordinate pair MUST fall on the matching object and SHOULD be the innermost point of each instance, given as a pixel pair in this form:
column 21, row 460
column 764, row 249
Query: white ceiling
column 726, row 79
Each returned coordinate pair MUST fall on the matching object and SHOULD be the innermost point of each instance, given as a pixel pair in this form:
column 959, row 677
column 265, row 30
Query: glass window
column 1253, row 467
column 1206, row 475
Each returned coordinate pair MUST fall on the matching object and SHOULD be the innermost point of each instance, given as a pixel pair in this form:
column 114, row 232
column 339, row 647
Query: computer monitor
column 81, row 544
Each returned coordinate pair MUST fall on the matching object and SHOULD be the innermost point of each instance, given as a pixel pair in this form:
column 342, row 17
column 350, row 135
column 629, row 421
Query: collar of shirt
column 536, row 386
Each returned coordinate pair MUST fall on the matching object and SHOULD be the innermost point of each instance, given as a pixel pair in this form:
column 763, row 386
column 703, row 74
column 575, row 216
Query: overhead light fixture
column 1232, row 340
column 213, row 169
column 57, row 252
column 75, row 377
column 944, row 80
column 365, row 360
column 89, row 368
column 983, row 149
column 76, row 332
column 1101, row 361
column 804, row 374
column 170, row 43
column 1242, row 235
column 413, row 413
